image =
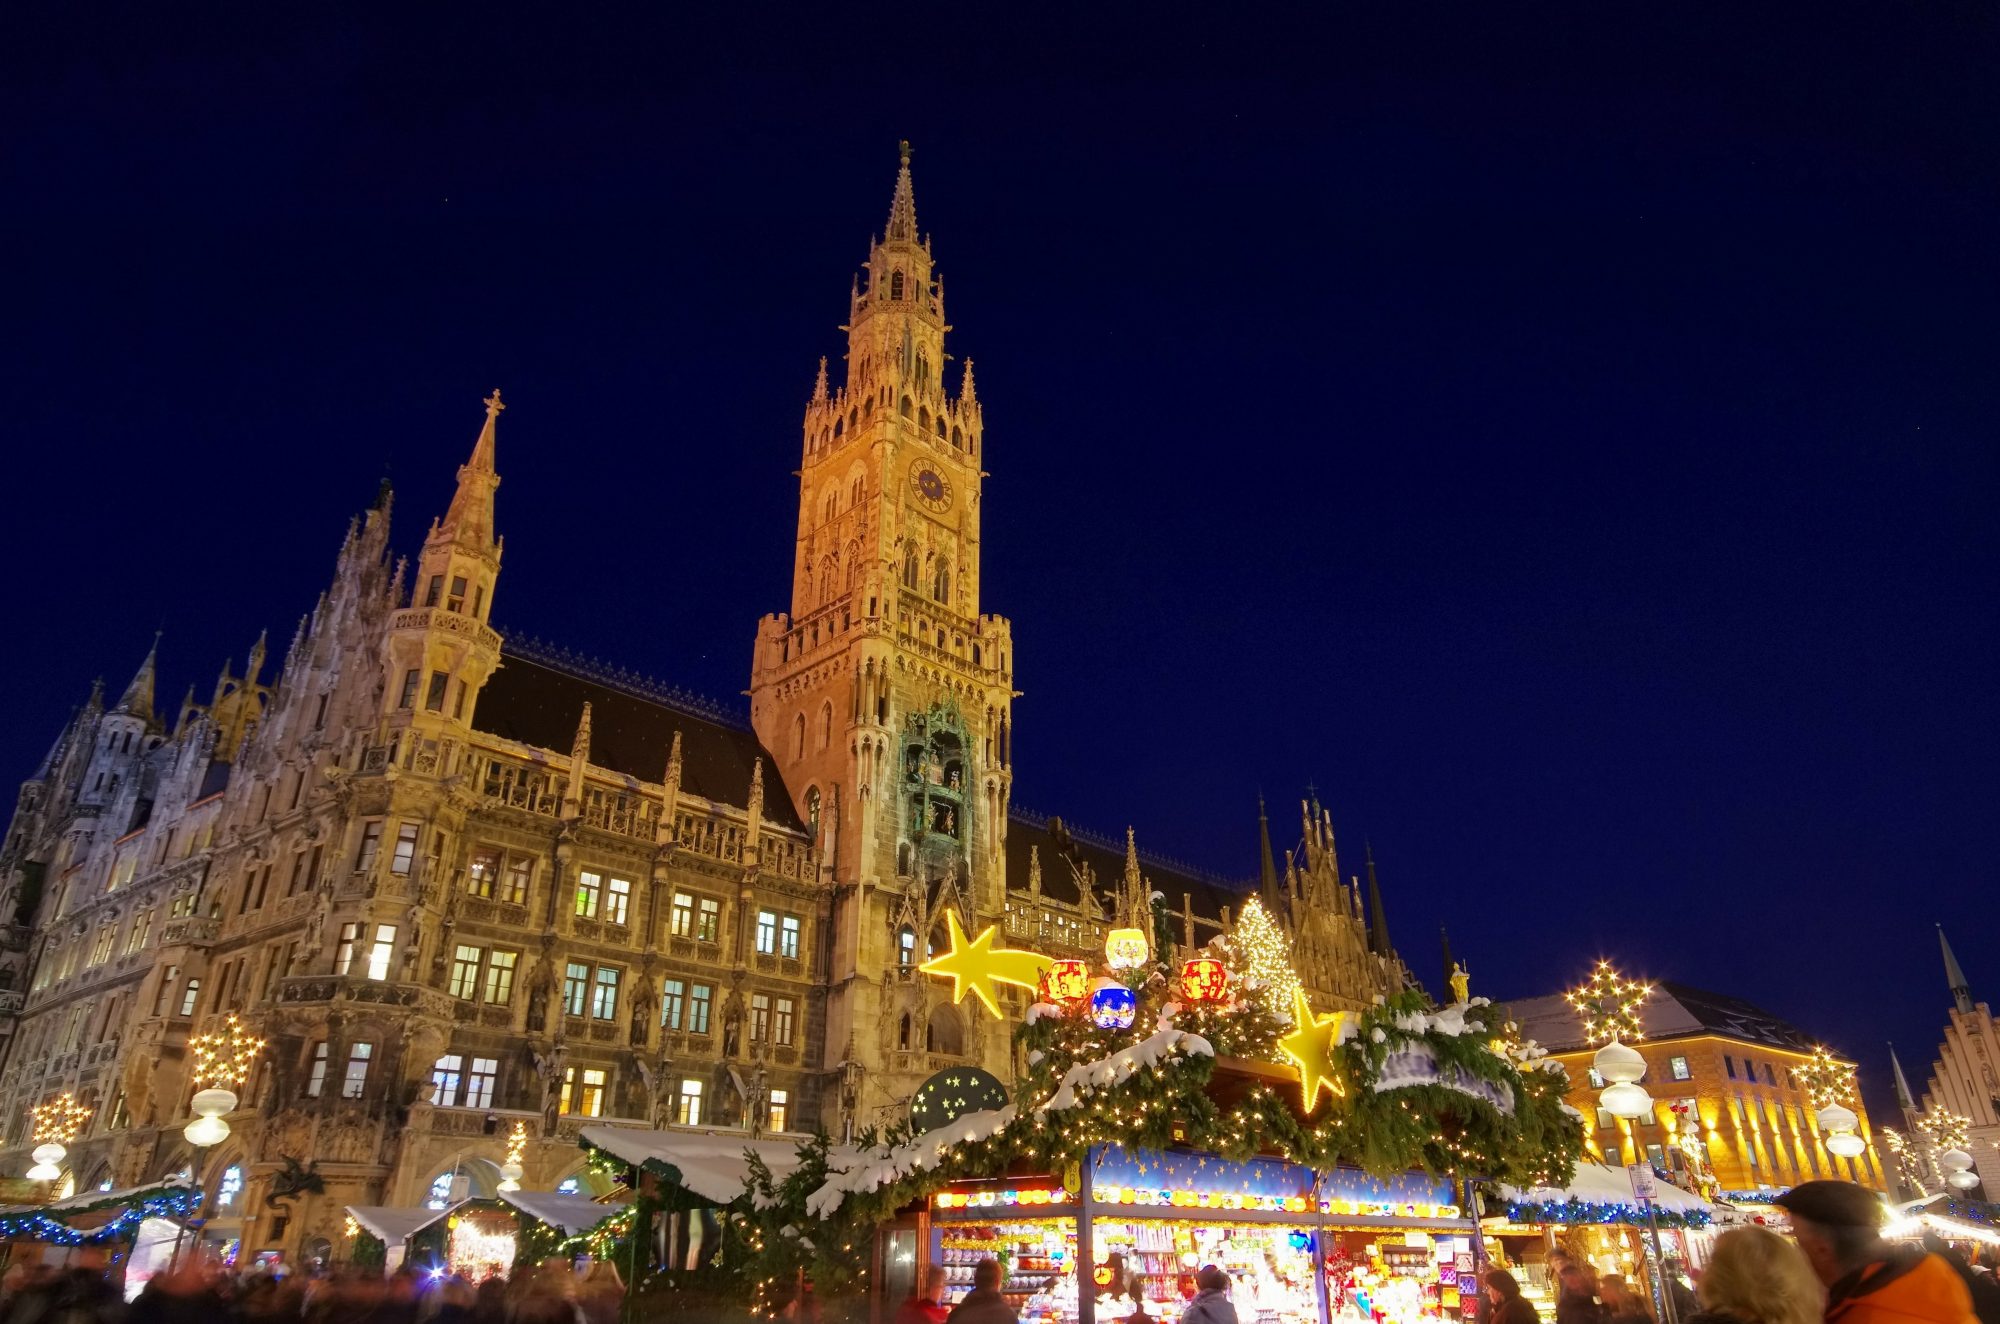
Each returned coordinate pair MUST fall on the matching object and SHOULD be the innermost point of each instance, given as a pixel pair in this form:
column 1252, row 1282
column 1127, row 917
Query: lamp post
column 222, row 1064
column 56, row 1123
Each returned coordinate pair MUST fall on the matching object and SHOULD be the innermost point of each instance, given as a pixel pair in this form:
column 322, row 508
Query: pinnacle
column 138, row 696
column 902, row 225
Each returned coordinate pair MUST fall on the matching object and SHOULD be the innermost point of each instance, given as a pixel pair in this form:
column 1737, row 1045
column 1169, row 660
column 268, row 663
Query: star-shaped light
column 976, row 965
column 1310, row 1047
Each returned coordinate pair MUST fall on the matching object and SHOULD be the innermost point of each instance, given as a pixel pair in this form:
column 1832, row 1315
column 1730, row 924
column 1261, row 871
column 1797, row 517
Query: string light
column 1263, row 953
column 1828, row 1080
column 1609, row 1004
column 1944, row 1128
column 60, row 1120
column 223, row 1060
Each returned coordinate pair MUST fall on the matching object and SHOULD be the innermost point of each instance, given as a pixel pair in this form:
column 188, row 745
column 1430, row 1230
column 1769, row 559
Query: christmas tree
column 1260, row 953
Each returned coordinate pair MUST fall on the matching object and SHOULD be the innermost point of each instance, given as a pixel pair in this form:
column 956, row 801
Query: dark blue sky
column 1564, row 436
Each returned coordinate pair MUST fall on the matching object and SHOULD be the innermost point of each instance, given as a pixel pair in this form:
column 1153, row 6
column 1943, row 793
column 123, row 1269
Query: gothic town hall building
column 460, row 881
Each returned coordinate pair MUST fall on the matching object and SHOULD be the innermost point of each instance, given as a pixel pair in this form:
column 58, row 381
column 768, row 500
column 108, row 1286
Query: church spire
column 138, row 697
column 819, row 383
column 902, row 225
column 1378, row 923
column 1267, row 867
column 1903, row 1099
column 469, row 518
column 1961, row 991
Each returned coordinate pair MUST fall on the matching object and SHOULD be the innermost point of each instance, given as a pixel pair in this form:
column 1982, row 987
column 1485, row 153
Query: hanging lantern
column 1066, row 981
column 1203, row 979
column 1126, row 949
column 1113, row 1006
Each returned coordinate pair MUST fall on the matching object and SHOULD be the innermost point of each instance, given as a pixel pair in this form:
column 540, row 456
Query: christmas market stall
column 476, row 1238
column 1598, row 1217
column 138, row 1226
column 1177, row 1114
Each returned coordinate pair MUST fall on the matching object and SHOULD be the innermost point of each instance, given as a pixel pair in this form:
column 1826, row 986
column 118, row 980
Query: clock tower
column 884, row 695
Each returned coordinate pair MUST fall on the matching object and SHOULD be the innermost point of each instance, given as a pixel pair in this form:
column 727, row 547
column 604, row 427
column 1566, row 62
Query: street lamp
column 1957, row 1165
column 517, row 1149
column 222, row 1064
column 1609, row 1005
column 56, row 1123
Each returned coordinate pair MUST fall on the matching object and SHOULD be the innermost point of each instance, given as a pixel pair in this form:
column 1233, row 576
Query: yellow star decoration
column 1310, row 1047
column 977, row 965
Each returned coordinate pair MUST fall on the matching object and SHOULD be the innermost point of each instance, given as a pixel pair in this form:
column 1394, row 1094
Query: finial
column 493, row 405
column 903, row 150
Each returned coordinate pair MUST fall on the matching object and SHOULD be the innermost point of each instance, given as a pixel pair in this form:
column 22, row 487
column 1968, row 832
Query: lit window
column 316, row 1080
column 689, row 1111
column 357, row 1070
column 699, row 996
column 617, row 899
column 381, row 950
column 906, row 948
column 1607, row 1120
column 1596, row 1081
column 432, row 591
column 767, row 932
column 672, row 994
column 142, row 928
column 760, row 1018
column 604, row 997
column 1678, row 1068
column 583, row 1091
column 515, row 892
column 576, row 988
column 440, row 1196
column 482, row 872
column 589, row 894
column 445, row 1075
column 568, row 1186
column 343, row 954
column 788, row 937
column 189, row 992
column 228, row 1188
column 464, row 972
column 680, row 920
column 500, row 975
column 708, row 920
column 779, row 1111
column 406, row 849
column 479, row 1082
column 781, row 1022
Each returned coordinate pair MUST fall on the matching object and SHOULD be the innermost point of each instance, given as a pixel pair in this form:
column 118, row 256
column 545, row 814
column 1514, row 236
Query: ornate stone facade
column 464, row 883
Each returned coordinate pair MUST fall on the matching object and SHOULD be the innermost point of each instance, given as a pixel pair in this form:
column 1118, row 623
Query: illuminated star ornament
column 1609, row 1005
column 976, row 965
column 1310, row 1047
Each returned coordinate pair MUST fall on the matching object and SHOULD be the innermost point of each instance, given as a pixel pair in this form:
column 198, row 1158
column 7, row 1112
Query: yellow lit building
column 1730, row 1110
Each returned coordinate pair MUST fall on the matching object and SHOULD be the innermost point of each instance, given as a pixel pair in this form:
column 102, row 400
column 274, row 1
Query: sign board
column 1643, row 1182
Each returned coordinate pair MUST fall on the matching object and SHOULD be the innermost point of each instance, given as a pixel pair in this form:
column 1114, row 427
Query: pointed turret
column 138, row 697
column 1378, row 923
column 1267, row 864
column 967, row 395
column 1903, row 1097
column 819, row 383
column 1961, row 991
column 903, row 206
column 1135, row 907
column 469, row 518
column 579, row 765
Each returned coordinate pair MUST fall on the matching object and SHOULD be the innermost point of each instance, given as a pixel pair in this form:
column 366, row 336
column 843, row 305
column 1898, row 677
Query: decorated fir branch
column 1572, row 1213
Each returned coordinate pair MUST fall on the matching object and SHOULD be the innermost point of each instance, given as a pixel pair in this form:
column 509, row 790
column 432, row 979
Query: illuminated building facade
column 464, row 882
column 1965, row 1075
column 1730, row 1112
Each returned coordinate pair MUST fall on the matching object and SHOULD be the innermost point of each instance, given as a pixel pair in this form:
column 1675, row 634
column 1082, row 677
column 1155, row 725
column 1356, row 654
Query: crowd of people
column 204, row 1290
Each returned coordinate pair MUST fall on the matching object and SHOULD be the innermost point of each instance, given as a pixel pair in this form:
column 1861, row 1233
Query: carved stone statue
column 732, row 1024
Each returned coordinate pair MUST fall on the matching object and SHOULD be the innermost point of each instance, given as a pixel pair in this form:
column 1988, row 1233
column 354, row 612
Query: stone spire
column 1378, row 922
column 1961, row 991
column 819, row 383
column 138, row 697
column 903, row 206
column 1903, row 1097
column 579, row 764
column 469, row 518
column 966, row 393
column 1135, row 908
column 1267, row 865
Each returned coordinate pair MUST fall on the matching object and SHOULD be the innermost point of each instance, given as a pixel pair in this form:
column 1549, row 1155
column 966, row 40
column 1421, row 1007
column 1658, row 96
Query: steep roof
column 538, row 694
column 1064, row 849
column 1676, row 1011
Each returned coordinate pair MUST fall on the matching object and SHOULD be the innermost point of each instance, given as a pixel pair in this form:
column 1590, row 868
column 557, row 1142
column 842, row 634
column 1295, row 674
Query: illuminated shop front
column 1128, row 1236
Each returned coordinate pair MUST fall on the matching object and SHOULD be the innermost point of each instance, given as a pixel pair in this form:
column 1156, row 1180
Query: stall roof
column 85, row 1201
column 395, row 1226
column 712, row 1165
column 566, row 1213
column 1596, row 1184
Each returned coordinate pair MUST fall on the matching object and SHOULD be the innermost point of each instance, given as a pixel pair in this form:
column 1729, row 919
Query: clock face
column 930, row 486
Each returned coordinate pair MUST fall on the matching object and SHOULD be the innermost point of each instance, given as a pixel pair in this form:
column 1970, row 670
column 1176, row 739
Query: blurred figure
column 1211, row 1304
column 983, row 1304
column 601, row 1293
column 1621, row 1304
column 1503, row 1291
column 1756, row 1276
column 925, row 1305
column 1576, row 1294
column 1839, row 1227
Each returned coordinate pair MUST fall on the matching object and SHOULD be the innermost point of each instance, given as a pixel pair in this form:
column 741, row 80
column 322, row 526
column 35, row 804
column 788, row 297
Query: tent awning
column 394, row 1226
column 714, row 1166
column 1596, row 1184
column 566, row 1213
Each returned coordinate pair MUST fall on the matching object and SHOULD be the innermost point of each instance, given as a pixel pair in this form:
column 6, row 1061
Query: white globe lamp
column 206, row 1131
column 213, row 1103
column 510, row 1176
column 1619, row 1064
column 1846, row 1144
column 46, row 1157
column 1964, row 1181
column 1627, row 1100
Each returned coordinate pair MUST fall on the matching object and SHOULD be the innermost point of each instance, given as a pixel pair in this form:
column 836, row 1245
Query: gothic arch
column 945, row 1033
column 941, row 580
column 896, row 283
column 907, row 405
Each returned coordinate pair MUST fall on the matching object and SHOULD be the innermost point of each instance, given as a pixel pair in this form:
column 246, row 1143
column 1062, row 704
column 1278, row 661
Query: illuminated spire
column 1961, row 991
column 1267, row 867
column 1378, row 922
column 903, row 206
column 1909, row 1104
column 138, row 697
column 469, row 518
column 819, row 383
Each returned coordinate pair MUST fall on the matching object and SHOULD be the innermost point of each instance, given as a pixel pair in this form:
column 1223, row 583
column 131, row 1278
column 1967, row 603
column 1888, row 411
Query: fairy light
column 60, row 1120
column 1264, row 954
column 1827, row 1079
column 517, row 1142
column 1609, row 1004
column 223, row 1060
column 1944, row 1129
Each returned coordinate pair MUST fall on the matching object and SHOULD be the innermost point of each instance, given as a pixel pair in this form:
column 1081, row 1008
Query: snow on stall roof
column 872, row 1169
column 393, row 1226
column 567, row 1213
column 710, row 1165
column 1595, row 1183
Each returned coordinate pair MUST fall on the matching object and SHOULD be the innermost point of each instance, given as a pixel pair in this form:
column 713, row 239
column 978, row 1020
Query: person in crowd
column 1211, row 1304
column 1621, row 1304
column 1838, row 1225
column 925, row 1304
column 1576, row 1294
column 1675, row 1276
column 1507, row 1305
column 1985, row 1292
column 601, row 1293
column 984, row 1304
column 1756, row 1276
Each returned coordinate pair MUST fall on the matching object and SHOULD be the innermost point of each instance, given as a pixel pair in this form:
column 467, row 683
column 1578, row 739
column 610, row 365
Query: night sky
column 1564, row 437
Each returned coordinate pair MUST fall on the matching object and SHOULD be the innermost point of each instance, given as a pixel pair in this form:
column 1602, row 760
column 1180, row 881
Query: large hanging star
column 1310, row 1047
column 977, row 965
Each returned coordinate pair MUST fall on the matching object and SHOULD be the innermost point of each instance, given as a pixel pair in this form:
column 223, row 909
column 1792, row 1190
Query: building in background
column 1963, row 1092
column 468, row 885
column 1730, row 1113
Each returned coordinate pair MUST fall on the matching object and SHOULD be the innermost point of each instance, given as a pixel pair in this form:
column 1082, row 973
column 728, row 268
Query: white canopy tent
column 567, row 1213
column 1597, row 1184
column 710, row 1165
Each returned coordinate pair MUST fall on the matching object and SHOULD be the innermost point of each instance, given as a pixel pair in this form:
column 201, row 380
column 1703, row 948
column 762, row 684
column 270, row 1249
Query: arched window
column 799, row 736
column 855, row 493
column 924, row 420
column 941, row 581
column 939, row 427
column 832, row 506
column 943, row 1034
column 853, row 417
column 903, row 1032
column 812, row 810
column 907, row 405
column 825, row 724
column 923, row 369
column 906, row 947
column 910, row 568
column 957, row 439
column 829, row 576
column 229, row 1187
column 896, row 284
column 839, row 427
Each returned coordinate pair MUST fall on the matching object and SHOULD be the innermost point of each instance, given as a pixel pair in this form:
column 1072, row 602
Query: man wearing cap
column 1839, row 1227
